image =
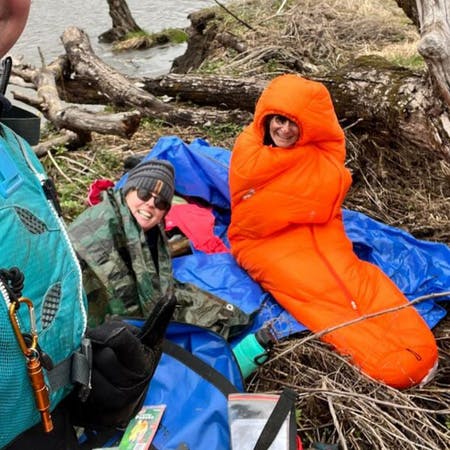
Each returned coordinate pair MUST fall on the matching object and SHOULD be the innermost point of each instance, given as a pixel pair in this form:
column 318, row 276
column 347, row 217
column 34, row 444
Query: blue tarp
column 417, row 267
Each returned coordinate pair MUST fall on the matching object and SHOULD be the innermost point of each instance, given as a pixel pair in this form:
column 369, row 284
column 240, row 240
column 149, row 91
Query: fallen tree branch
column 337, row 425
column 67, row 139
column 73, row 118
column 221, row 91
column 122, row 92
column 234, row 15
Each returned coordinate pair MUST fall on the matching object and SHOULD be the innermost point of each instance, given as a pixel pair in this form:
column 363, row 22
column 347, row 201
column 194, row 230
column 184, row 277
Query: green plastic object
column 253, row 351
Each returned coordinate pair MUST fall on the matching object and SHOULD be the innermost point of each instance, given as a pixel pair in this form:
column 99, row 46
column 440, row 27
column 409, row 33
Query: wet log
column 122, row 92
column 122, row 22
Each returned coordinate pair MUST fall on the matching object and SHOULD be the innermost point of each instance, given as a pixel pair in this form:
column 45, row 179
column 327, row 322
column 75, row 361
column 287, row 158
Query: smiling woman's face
column 145, row 212
column 284, row 132
column 13, row 17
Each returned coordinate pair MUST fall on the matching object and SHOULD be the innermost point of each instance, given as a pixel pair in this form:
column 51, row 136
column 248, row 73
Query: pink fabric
column 198, row 226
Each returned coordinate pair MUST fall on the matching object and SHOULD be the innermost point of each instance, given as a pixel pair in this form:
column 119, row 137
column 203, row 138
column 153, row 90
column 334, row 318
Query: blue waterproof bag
column 34, row 241
column 196, row 373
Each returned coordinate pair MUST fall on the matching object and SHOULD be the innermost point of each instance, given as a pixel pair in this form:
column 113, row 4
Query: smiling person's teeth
column 145, row 214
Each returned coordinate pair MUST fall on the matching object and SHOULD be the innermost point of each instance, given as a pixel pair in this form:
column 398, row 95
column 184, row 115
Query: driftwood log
column 219, row 91
column 69, row 116
column 124, row 93
column 72, row 117
column 122, row 22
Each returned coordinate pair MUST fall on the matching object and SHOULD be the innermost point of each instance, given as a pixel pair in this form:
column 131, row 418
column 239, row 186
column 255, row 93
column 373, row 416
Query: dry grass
column 400, row 188
column 311, row 35
column 337, row 404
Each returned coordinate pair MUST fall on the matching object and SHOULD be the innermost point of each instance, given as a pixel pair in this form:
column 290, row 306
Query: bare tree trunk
column 201, row 36
column 122, row 21
column 434, row 46
column 432, row 18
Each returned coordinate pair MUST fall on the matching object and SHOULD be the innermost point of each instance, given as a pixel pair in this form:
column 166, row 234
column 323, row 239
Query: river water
column 49, row 18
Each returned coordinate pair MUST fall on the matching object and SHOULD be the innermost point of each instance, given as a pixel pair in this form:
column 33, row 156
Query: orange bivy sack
column 287, row 232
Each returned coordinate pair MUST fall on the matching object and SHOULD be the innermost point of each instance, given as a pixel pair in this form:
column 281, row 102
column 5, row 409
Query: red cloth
column 197, row 224
column 95, row 190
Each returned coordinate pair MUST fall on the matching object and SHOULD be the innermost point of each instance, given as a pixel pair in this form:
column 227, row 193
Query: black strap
column 284, row 406
column 200, row 367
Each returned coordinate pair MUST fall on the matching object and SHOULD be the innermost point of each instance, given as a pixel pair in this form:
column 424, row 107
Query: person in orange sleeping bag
column 287, row 183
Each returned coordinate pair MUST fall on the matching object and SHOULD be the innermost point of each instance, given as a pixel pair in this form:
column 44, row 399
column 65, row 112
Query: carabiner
column 28, row 350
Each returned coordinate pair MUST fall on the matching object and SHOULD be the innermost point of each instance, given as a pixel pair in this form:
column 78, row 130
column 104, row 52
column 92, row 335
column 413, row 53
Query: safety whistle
column 40, row 390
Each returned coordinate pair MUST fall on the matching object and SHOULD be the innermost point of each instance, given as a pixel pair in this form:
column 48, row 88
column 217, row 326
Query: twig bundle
column 338, row 404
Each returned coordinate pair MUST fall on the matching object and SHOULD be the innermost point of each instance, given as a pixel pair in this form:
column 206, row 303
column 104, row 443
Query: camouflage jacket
column 120, row 276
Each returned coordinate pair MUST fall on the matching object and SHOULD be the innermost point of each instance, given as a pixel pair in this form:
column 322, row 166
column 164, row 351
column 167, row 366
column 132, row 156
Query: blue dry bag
column 196, row 373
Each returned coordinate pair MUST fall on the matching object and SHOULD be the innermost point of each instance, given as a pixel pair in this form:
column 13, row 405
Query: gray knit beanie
column 154, row 175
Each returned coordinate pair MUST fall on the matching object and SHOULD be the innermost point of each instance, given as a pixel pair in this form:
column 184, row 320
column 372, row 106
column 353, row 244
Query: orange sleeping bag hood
column 286, row 230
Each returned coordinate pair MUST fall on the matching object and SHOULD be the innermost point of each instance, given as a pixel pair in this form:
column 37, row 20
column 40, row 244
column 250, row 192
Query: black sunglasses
column 145, row 195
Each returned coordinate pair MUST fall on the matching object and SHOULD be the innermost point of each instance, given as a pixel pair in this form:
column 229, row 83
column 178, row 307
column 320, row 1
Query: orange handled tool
column 33, row 362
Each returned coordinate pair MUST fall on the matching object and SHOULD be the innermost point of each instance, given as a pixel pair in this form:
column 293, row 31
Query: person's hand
column 124, row 360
